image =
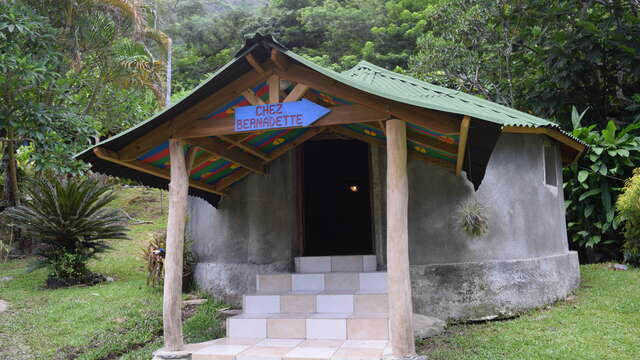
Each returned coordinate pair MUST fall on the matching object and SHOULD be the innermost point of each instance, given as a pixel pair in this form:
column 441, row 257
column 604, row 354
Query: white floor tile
column 370, row 344
column 311, row 352
column 261, row 304
column 327, row 329
column 247, row 328
column 313, row 264
column 374, row 281
column 334, row 303
column 280, row 342
column 308, row 282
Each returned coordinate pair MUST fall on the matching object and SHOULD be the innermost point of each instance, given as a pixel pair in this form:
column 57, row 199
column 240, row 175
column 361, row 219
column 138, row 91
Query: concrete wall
column 252, row 231
column 453, row 275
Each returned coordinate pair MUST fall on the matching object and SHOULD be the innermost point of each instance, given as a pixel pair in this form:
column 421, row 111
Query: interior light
column 353, row 188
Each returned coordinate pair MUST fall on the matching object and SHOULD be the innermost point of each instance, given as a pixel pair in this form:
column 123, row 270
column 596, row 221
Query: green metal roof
column 394, row 86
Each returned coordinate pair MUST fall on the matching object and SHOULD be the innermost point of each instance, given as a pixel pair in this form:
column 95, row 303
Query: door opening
column 336, row 200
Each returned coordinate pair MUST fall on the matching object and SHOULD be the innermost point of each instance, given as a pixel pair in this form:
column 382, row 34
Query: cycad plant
column 71, row 221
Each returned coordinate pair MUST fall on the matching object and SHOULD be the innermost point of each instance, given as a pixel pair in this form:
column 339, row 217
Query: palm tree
column 71, row 221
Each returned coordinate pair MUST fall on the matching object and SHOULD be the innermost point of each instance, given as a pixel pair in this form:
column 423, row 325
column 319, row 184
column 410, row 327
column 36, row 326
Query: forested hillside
column 73, row 72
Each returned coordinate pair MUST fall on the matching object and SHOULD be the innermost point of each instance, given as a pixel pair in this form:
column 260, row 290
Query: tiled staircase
column 332, row 307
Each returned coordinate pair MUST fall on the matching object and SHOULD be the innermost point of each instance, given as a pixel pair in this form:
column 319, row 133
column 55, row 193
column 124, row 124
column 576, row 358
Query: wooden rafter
column 462, row 142
column 160, row 134
column 358, row 136
column 431, row 143
column 434, row 120
column 296, row 142
column 382, row 143
column 240, row 174
column 202, row 158
column 297, row 92
column 232, row 179
column 345, row 114
column 190, row 158
column 274, row 89
column 278, row 59
column 113, row 157
column 219, row 148
column 245, row 147
column 252, row 98
column 254, row 64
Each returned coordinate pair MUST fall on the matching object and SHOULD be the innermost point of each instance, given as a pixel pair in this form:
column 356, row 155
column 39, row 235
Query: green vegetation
column 592, row 185
column 629, row 213
column 599, row 322
column 72, row 221
column 120, row 317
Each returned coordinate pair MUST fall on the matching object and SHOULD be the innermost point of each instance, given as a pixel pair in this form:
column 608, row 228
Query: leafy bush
column 154, row 255
column 592, row 185
column 628, row 206
column 71, row 220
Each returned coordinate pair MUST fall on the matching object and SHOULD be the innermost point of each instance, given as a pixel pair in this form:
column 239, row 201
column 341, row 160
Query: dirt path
column 11, row 347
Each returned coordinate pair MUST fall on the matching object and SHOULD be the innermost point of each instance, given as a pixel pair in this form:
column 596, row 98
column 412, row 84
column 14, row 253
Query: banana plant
column 593, row 183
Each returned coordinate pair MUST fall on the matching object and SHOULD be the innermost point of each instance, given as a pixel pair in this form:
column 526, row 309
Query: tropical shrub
column 71, row 221
column 628, row 206
column 592, row 185
column 154, row 255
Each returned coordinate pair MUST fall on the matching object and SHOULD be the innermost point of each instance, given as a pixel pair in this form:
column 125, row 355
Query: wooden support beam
column 297, row 92
column 432, row 143
column 358, row 136
column 431, row 119
column 205, row 106
column 254, row 64
column 346, row 114
column 173, row 261
column 379, row 142
column 219, row 148
column 232, row 179
column 191, row 157
column 252, row 98
column 274, row 89
column 245, row 147
column 111, row 156
column 382, row 127
column 297, row 141
column 462, row 142
column 278, row 59
column 398, row 281
column 203, row 158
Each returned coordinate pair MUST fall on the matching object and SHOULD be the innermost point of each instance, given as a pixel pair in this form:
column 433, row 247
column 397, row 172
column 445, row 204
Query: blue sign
column 281, row 115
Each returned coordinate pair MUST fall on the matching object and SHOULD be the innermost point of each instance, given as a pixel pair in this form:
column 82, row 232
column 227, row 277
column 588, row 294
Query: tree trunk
column 399, row 283
column 178, row 190
column 168, row 85
column 11, row 194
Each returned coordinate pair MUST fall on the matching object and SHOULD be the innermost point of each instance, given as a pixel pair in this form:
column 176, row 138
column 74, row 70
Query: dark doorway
column 336, row 198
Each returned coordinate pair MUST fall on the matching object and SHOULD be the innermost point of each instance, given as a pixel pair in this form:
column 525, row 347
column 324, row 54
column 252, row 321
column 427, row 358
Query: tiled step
column 340, row 263
column 316, row 282
column 309, row 326
column 289, row 349
column 323, row 303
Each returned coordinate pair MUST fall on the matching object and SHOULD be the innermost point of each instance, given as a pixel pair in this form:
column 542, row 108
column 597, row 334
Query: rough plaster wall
column 526, row 217
column 252, row 230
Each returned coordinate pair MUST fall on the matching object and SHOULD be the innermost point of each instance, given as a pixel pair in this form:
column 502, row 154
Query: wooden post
column 178, row 190
column 399, row 283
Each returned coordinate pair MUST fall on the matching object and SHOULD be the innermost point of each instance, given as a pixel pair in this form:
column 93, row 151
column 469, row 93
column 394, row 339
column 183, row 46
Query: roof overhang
column 264, row 71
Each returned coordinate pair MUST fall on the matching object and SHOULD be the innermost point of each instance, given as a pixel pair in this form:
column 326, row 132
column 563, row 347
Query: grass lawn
column 602, row 321
column 121, row 319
